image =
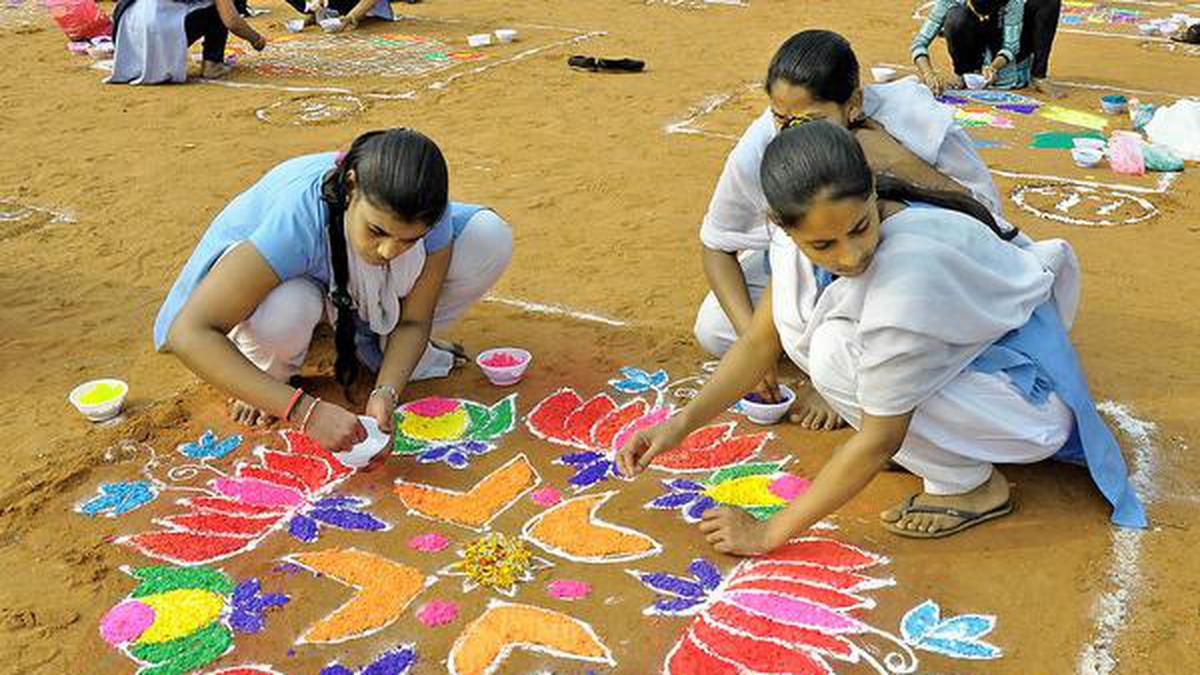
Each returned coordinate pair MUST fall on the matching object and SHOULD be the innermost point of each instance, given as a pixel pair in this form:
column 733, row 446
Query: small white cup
column 330, row 25
column 768, row 413
column 1086, row 157
column 479, row 39
column 974, row 80
column 99, row 411
column 362, row 454
column 504, row 376
column 1097, row 144
column 295, row 25
column 506, row 35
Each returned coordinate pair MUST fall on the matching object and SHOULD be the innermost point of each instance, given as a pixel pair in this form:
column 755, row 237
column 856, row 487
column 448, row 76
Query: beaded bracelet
column 296, row 396
column 308, row 414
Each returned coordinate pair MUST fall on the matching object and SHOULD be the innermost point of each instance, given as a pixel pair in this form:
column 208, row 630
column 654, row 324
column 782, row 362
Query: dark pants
column 967, row 38
column 342, row 7
column 206, row 23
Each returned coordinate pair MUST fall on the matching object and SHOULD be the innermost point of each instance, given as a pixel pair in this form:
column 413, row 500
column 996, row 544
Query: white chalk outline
column 579, row 36
column 454, row 569
column 598, row 523
column 492, row 444
column 555, row 310
column 291, row 559
column 1019, row 192
column 1114, row 606
column 509, row 647
column 537, row 480
column 262, row 668
column 264, row 113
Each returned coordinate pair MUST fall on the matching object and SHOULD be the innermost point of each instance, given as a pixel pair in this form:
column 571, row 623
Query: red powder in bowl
column 502, row 360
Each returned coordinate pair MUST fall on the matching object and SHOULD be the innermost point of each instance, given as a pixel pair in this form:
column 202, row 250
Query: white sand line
column 521, row 56
column 274, row 87
column 1164, row 181
column 706, row 107
column 555, row 310
column 1114, row 606
column 908, row 67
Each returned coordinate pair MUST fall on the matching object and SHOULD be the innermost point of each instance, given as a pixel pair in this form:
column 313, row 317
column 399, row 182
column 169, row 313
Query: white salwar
column 941, row 289
column 736, row 220
column 152, row 47
column 276, row 337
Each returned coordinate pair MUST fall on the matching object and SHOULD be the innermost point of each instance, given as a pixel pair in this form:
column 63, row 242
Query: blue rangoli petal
column 706, row 573
column 304, row 528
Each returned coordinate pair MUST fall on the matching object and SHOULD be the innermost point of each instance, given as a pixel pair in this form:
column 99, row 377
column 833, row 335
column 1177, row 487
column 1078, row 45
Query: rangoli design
column 762, row 489
column 495, row 562
column 572, row 531
column 476, row 508
column 504, row 627
column 451, row 430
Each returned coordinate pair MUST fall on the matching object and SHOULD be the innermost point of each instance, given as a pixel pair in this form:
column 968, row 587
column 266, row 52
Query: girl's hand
column 382, row 407
column 733, row 531
column 259, row 42
column 930, row 79
column 768, row 389
column 335, row 428
column 349, row 23
column 647, row 444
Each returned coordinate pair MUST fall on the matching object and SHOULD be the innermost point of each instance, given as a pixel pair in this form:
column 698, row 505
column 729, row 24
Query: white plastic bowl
column 768, row 413
column 1086, row 157
column 1097, row 144
column 100, row 410
column 295, row 25
column 330, row 25
column 881, row 74
column 362, row 454
column 479, row 40
column 504, row 376
column 974, row 80
column 506, row 35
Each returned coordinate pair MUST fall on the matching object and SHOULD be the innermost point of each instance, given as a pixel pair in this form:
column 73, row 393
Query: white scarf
column 940, row 289
column 377, row 289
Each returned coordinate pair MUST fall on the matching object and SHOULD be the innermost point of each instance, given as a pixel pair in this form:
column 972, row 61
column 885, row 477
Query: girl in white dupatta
column 942, row 344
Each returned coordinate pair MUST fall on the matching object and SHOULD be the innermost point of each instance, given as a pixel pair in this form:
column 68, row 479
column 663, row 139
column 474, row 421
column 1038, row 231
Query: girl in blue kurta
column 368, row 240
column 943, row 345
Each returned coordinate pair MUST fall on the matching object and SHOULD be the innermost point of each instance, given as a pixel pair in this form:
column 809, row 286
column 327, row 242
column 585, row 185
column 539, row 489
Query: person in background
column 1007, row 41
column 152, row 38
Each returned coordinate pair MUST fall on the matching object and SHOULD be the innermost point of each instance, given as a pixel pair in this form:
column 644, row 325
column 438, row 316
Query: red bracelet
column 296, row 396
column 311, row 408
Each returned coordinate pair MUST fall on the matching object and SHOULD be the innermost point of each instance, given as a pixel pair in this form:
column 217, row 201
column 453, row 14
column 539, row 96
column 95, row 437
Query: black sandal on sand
column 455, row 348
column 617, row 65
column 969, row 518
column 1189, row 35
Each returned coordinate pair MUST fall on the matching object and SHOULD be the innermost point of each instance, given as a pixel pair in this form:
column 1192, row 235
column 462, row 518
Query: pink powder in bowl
column 546, row 497
column 430, row 542
column 437, row 612
column 568, row 589
column 502, row 360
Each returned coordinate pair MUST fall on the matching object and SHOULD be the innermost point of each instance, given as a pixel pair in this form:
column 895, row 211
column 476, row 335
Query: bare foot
column 812, row 412
column 215, row 71
column 987, row 497
column 1047, row 88
column 244, row 413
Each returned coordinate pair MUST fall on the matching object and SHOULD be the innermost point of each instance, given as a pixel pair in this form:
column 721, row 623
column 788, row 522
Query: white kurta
column 152, row 45
column 737, row 214
column 940, row 290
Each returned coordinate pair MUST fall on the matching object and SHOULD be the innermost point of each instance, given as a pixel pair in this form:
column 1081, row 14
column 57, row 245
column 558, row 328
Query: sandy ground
column 120, row 182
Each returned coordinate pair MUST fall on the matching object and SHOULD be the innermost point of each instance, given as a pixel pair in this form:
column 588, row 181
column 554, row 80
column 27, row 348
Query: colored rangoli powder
column 745, row 491
column 258, row 492
column 434, row 406
column 126, row 621
column 496, row 561
column 437, row 613
column 180, row 612
column 101, row 393
column 547, row 496
column 430, row 542
column 502, row 360
column 568, row 589
column 788, row 486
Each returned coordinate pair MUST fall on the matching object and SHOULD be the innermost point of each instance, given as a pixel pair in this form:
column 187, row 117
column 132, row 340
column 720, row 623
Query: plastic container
column 330, row 25
column 99, row 400
column 881, row 74
column 1097, row 144
column 1114, row 104
column 1086, row 157
column 362, row 454
column 1125, row 153
column 504, row 366
column 79, row 19
column 479, row 39
column 766, row 414
column 506, row 35
column 974, row 80
column 295, row 25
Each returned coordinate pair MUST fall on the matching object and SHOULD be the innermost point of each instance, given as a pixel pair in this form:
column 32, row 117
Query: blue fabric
column 1039, row 359
column 824, row 277
column 283, row 216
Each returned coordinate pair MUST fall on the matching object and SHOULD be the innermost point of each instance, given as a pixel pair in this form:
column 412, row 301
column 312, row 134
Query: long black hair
column 819, row 158
column 400, row 170
column 821, row 61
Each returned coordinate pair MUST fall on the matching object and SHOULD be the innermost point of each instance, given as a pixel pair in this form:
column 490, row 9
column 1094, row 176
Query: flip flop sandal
column 455, row 348
column 597, row 64
column 1190, row 36
column 969, row 518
